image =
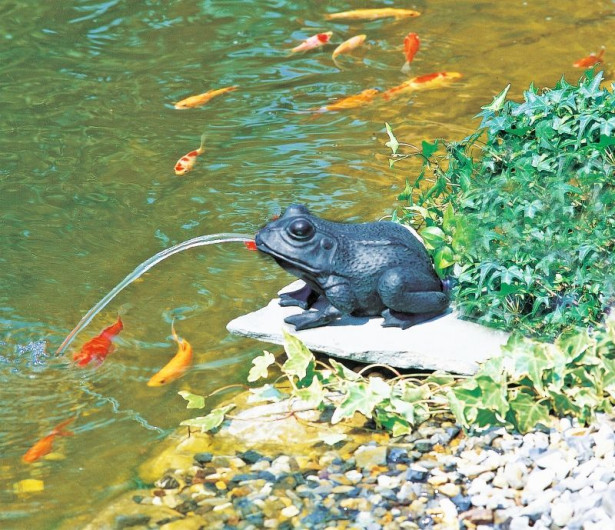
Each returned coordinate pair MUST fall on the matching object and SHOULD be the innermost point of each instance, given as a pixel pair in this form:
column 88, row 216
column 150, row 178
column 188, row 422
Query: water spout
column 199, row 241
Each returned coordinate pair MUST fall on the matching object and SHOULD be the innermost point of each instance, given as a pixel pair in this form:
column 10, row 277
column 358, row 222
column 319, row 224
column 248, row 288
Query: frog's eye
column 301, row 229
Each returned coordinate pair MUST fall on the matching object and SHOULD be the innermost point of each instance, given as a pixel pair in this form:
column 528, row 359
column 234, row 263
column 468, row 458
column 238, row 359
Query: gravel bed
column 438, row 477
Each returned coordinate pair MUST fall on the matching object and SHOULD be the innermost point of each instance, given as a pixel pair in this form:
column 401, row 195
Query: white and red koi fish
column 313, row 42
column 186, row 162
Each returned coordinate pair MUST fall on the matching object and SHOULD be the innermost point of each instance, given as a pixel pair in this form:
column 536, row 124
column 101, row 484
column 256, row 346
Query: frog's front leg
column 410, row 298
column 304, row 298
column 314, row 319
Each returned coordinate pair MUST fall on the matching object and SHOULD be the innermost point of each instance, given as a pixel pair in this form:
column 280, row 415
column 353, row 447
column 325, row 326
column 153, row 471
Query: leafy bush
column 526, row 222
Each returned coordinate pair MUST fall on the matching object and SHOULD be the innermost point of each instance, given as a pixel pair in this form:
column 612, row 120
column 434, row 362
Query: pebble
column 435, row 478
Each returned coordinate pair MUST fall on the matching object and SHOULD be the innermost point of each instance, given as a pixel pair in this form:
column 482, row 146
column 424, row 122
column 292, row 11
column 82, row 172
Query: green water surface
column 88, row 141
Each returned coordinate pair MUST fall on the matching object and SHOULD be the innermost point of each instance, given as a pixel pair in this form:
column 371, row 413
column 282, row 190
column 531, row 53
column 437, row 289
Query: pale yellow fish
column 350, row 102
column 372, row 14
column 349, row 45
column 200, row 99
column 432, row 80
column 177, row 366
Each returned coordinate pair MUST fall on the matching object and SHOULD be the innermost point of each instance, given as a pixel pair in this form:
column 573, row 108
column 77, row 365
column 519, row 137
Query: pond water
column 89, row 138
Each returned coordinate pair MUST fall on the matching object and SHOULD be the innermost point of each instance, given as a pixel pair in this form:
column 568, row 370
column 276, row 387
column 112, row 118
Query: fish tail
column 201, row 148
column 406, row 67
column 60, row 429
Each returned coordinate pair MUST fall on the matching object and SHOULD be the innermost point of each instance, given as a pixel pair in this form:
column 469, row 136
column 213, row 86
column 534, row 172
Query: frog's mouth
column 296, row 267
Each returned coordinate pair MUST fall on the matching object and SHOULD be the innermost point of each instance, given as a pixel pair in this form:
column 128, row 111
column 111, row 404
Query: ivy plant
column 522, row 212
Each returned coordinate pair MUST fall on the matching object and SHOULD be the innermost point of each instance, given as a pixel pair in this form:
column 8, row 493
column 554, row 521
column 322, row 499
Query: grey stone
column 444, row 343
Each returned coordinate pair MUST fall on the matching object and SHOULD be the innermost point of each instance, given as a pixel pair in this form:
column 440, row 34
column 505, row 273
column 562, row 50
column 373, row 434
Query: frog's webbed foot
column 303, row 298
column 314, row 319
column 405, row 320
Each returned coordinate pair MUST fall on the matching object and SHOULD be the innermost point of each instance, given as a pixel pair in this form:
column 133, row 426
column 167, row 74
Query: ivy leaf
column 261, row 363
column 211, row 421
column 528, row 412
column 498, row 101
column 443, row 259
column 494, row 395
column 343, row 372
column 433, row 236
column 299, row 357
column 359, row 398
column 268, row 393
column 313, row 395
column 392, row 143
column 429, row 149
column 194, row 400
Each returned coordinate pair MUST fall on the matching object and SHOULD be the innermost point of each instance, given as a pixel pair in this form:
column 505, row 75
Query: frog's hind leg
column 408, row 299
column 304, row 298
column 395, row 319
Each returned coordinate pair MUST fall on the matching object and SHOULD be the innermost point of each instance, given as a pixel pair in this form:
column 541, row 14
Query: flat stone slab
column 444, row 343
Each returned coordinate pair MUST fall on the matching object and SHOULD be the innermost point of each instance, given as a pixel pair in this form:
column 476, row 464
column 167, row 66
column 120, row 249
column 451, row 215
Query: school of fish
column 98, row 348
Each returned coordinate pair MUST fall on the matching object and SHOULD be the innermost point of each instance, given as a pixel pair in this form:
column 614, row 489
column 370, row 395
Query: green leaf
column 359, row 398
column 194, row 400
column 443, row 259
column 494, row 395
column 392, row 143
column 261, row 363
column 343, row 372
column 432, row 236
column 429, row 149
column 207, row 423
column 528, row 412
column 498, row 101
column 313, row 395
column 299, row 356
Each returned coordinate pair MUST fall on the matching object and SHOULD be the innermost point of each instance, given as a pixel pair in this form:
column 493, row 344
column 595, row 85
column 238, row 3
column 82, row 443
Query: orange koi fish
column 250, row 245
column 372, row 14
column 424, row 81
column 200, row 99
column 45, row 444
column 313, row 42
column 100, row 346
column 349, row 45
column 590, row 60
column 186, row 162
column 411, row 46
column 177, row 366
column 350, row 102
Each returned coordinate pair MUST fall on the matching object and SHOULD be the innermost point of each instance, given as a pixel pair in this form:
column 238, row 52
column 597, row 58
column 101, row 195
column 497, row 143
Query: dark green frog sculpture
column 366, row 269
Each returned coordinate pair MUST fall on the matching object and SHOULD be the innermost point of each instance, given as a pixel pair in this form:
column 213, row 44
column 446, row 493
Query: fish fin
column 406, row 67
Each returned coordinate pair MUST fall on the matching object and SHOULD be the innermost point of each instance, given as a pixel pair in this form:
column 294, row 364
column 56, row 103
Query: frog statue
column 366, row 269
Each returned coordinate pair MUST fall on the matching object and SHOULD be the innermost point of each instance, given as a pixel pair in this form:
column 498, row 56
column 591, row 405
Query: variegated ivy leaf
column 261, row 363
column 332, row 438
column 194, row 400
column 211, row 421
